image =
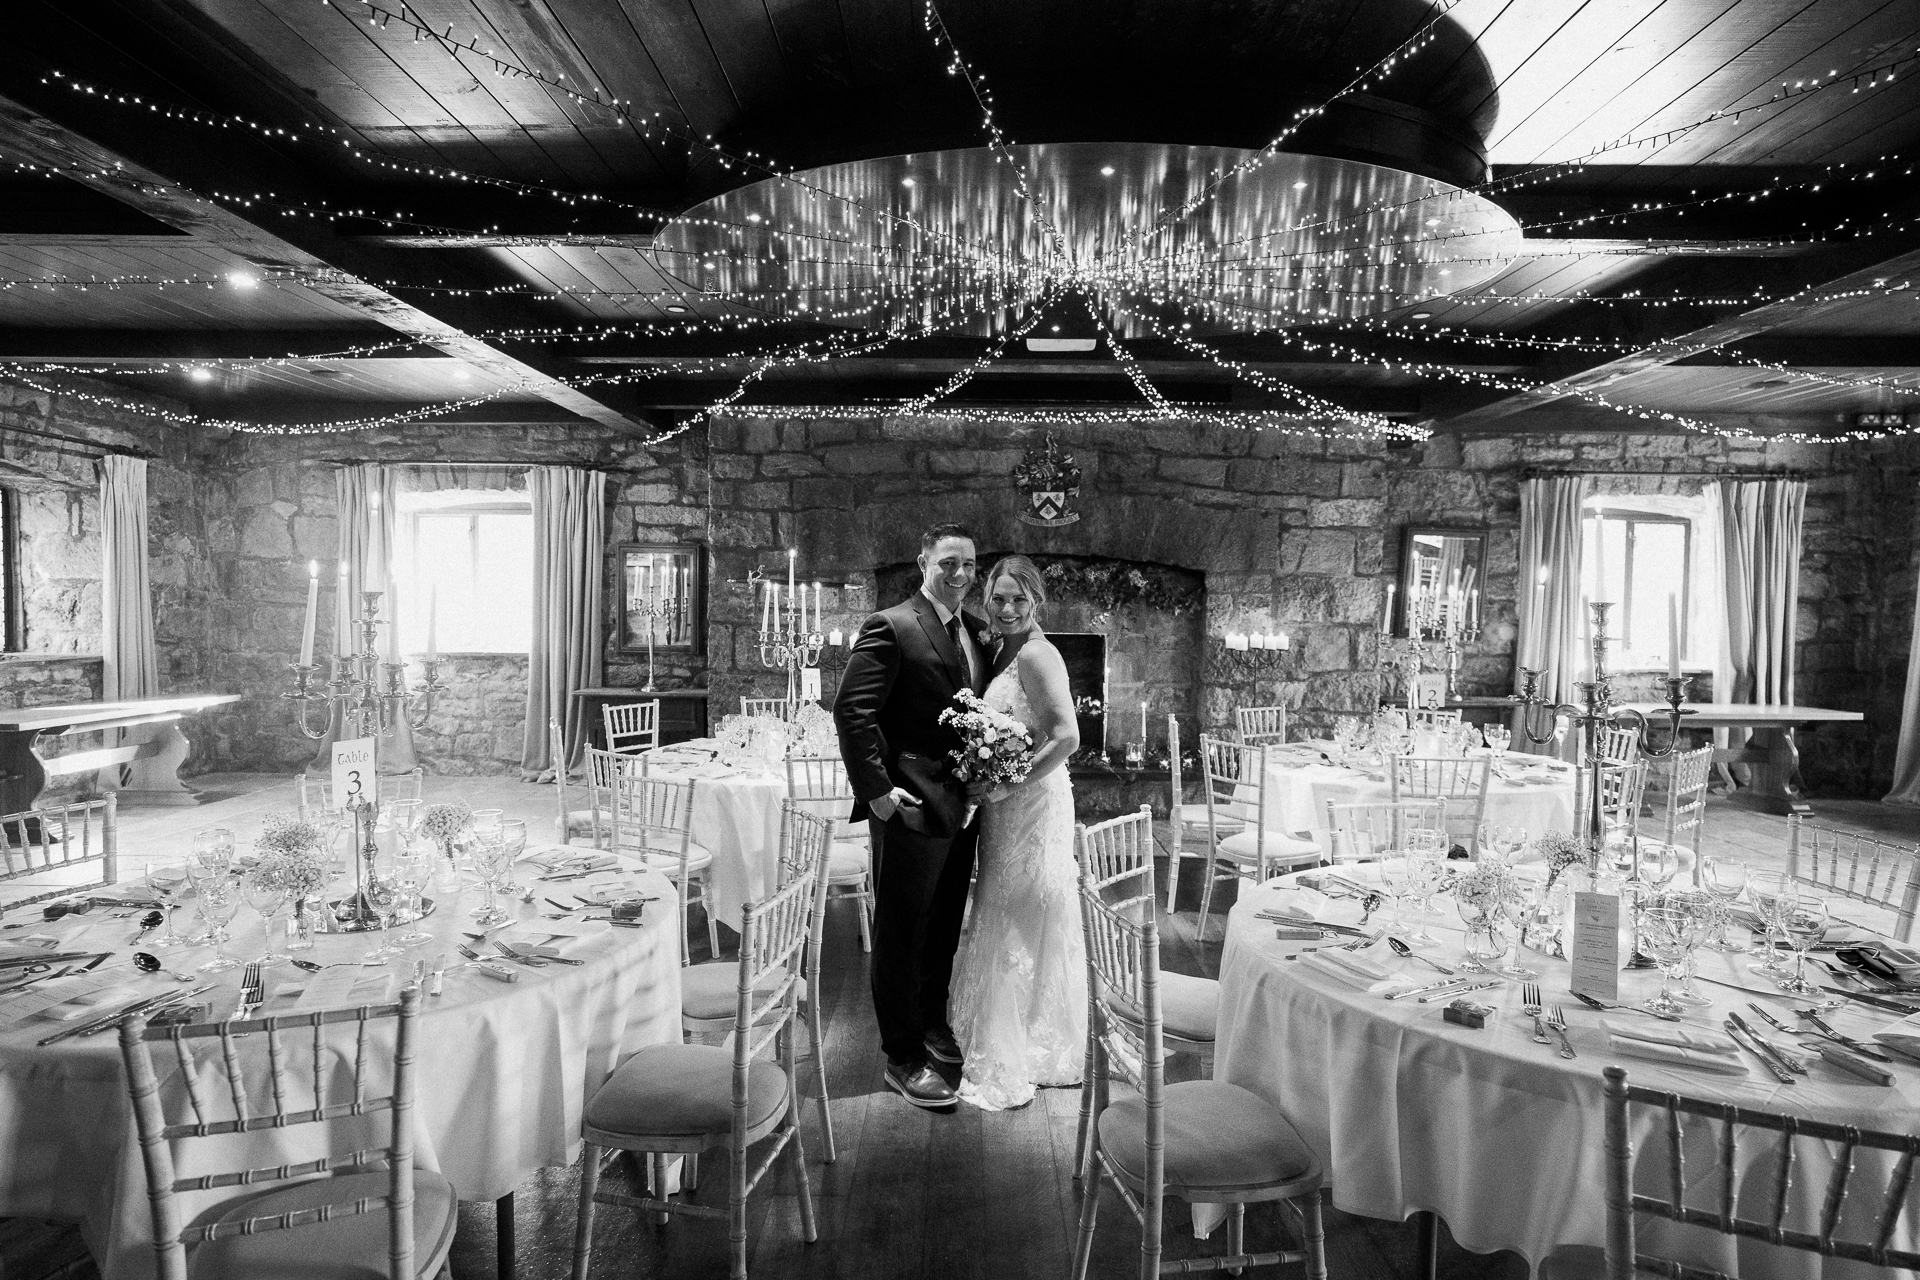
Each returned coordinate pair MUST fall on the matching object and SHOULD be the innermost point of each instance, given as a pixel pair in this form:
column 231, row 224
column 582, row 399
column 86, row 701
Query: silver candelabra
column 1426, row 617
column 365, row 697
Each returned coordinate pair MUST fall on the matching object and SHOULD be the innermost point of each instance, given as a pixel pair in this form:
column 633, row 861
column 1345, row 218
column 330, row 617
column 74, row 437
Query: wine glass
column 268, row 902
column 1773, row 894
column 219, row 903
column 1805, row 923
column 1663, row 937
column 1724, row 879
column 383, row 895
column 1505, row 841
column 169, row 883
column 1498, row 738
column 1658, row 863
column 490, row 860
column 1702, row 913
column 402, row 815
column 1518, row 901
column 410, row 866
column 212, row 849
column 513, row 835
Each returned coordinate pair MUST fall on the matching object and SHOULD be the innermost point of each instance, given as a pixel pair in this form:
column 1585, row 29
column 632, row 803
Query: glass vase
column 304, row 925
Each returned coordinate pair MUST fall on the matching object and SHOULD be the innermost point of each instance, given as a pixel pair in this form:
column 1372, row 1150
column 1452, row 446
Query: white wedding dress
column 1018, row 1002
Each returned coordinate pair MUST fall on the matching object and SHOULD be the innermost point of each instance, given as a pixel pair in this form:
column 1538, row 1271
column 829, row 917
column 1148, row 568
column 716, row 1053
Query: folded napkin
column 1300, row 903
column 1356, row 970
column 1675, row 1035
column 1903, row 1035
column 1675, row 1055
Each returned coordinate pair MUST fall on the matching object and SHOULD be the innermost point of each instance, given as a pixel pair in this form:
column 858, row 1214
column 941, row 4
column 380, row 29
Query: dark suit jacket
column 902, row 672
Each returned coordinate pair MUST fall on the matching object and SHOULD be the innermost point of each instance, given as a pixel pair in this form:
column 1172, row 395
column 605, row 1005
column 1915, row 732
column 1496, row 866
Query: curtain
column 1549, row 605
column 365, row 497
column 129, row 668
column 569, row 551
column 1760, row 547
column 436, row 477
column 1906, row 764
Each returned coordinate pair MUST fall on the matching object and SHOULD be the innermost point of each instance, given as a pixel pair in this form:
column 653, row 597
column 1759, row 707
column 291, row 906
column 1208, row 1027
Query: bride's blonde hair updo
column 1022, row 571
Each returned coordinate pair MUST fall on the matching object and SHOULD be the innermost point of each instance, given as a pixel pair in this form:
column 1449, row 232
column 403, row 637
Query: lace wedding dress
column 1019, row 997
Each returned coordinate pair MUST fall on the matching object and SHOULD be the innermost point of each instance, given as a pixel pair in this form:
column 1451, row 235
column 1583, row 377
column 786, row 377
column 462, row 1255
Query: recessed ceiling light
column 1433, row 222
column 1106, row 171
column 461, row 373
column 1421, row 315
column 1300, row 185
column 753, row 217
column 677, row 309
column 200, row 373
column 242, row 279
column 1056, row 328
column 906, row 182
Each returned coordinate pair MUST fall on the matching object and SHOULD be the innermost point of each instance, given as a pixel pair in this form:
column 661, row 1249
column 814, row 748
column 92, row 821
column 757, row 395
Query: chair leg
column 797, row 1152
column 1090, row 1168
column 737, row 1208
column 713, row 923
column 1314, row 1236
column 1089, row 1212
column 865, row 904
column 583, row 1228
column 1236, row 1235
column 1086, row 1110
column 815, row 1021
column 1151, row 1228
column 660, row 1187
column 1206, row 899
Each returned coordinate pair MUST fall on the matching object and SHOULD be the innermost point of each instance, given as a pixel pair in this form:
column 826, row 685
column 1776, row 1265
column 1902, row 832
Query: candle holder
column 1247, row 660
column 785, row 646
column 1595, row 714
column 1431, row 627
column 365, row 697
column 651, row 609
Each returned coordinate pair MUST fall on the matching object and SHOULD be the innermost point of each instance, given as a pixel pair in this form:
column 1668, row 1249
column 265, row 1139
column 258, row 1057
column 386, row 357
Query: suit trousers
column 919, row 899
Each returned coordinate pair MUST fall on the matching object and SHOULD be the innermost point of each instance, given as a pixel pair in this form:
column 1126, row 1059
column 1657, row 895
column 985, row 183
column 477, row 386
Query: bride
column 1019, row 994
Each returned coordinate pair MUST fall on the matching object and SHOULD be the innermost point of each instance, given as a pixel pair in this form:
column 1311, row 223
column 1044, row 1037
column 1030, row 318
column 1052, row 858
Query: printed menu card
column 1596, row 946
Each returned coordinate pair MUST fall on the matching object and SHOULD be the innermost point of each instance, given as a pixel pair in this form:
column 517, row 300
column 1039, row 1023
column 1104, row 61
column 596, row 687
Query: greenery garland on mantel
column 1112, row 585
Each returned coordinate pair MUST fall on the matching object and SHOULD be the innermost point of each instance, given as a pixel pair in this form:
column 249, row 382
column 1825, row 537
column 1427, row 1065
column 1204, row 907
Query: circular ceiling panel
column 966, row 241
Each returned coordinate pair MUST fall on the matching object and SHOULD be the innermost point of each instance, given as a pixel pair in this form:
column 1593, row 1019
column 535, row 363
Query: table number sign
column 353, row 772
column 810, row 684
column 1596, row 946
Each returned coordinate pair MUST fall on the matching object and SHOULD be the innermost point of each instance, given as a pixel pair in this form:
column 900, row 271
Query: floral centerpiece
column 1483, row 887
column 444, row 823
column 995, row 748
column 1561, row 852
column 289, row 861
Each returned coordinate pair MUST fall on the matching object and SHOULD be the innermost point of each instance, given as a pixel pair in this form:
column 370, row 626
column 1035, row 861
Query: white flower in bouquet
column 1561, row 852
column 444, row 822
column 290, row 860
column 1484, row 886
column 995, row 748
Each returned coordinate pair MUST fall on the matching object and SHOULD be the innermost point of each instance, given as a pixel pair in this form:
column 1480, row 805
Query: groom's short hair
column 931, row 538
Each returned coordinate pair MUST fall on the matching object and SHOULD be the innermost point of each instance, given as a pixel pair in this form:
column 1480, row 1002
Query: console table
column 683, row 712
column 1770, row 752
column 153, row 776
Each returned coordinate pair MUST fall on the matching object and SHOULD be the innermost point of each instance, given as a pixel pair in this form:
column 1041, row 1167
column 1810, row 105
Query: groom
column 903, row 671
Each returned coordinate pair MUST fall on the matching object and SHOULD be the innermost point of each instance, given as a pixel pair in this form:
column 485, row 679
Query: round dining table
column 503, row 1069
column 1498, row 1135
column 736, row 817
column 1529, row 792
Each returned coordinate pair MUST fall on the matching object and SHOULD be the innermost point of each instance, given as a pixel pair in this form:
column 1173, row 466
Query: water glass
column 219, row 903
column 1663, row 937
column 212, row 855
column 490, row 861
column 1505, row 842
column 168, row 883
column 410, row 866
column 1518, row 905
column 1703, row 914
column 1498, row 738
column 401, row 815
column 1805, row 924
column 1773, row 894
column 1724, row 879
column 268, row 902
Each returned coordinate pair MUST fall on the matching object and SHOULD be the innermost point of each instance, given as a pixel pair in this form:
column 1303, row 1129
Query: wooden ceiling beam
column 1823, row 296
column 161, row 346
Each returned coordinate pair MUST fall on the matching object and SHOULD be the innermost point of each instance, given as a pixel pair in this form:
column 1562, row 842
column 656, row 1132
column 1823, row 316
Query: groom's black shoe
column 919, row 1084
column 942, row 1047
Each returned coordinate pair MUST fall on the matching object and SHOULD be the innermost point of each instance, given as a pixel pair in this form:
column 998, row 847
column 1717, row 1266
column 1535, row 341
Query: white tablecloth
column 736, row 815
column 1301, row 786
column 504, row 1072
column 1499, row 1136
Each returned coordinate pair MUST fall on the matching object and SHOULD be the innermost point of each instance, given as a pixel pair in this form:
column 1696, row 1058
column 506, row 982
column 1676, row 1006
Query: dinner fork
column 1532, row 1006
column 532, row 962
column 1557, row 1023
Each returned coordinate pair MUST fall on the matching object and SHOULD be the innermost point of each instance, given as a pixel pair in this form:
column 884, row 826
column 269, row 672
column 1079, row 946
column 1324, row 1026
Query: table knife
column 1878, row 1002
column 138, row 1006
column 1778, row 1072
column 1777, row 1025
column 1464, row 988
column 1420, row 991
column 439, row 974
column 1848, row 1063
column 1785, row 1059
column 1827, row 1031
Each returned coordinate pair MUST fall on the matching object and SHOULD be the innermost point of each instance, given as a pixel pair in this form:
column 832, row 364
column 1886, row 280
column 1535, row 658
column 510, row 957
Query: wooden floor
column 942, row 1196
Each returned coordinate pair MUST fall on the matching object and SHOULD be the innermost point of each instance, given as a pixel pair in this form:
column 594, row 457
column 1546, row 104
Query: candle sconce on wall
column 1253, row 652
column 792, row 635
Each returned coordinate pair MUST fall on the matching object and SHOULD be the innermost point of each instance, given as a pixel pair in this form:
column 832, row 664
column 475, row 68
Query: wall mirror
column 662, row 594
column 1441, row 577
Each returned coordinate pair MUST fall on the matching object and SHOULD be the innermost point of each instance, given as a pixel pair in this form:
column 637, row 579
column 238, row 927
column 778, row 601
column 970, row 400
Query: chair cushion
column 848, row 862
column 667, row 861
column 1245, row 846
column 577, row 822
column 683, row 1091
column 1189, row 1006
column 1219, row 1136
column 709, row 992
column 1195, row 815
column 346, row 1248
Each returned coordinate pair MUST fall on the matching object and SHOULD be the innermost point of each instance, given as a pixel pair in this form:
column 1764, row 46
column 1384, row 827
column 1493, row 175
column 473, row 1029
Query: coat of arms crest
column 1051, row 482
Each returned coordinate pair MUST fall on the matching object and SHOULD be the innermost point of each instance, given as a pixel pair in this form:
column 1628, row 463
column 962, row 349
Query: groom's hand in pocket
column 884, row 807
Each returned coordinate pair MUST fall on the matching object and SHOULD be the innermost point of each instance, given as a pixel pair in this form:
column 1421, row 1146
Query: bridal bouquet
column 995, row 748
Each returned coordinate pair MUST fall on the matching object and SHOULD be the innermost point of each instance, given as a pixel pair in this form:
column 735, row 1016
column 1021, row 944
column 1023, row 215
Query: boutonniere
column 987, row 639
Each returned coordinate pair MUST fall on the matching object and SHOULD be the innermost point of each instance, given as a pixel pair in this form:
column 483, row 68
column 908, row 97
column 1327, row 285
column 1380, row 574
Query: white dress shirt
column 969, row 648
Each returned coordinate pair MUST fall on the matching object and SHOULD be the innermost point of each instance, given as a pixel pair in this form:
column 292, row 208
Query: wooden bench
column 146, row 769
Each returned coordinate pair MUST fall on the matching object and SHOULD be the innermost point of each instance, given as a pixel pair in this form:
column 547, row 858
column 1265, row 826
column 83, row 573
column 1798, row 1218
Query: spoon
column 148, row 922
column 1406, row 952
column 147, row 962
column 311, row 967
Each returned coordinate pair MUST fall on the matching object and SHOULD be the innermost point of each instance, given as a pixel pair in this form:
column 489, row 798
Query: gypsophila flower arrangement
column 1483, row 886
column 995, row 748
column 1561, row 852
column 289, row 858
column 443, row 822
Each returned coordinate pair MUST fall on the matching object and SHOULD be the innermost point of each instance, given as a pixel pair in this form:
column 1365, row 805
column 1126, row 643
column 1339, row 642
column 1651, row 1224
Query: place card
column 346, row 987
column 1596, row 946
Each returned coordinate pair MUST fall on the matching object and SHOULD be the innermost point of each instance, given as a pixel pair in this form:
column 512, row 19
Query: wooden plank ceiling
column 434, row 202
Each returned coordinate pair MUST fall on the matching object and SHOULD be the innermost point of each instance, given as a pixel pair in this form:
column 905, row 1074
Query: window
column 467, row 570
column 1637, row 555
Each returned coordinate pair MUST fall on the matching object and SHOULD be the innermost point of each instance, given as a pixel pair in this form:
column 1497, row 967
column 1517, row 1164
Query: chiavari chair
column 1261, row 726
column 653, row 822
column 683, row 1099
column 631, row 727
column 1684, row 810
column 1184, row 820
column 1846, row 865
column 312, row 1226
column 1432, row 718
column 1116, row 860
column 313, row 793
column 820, row 784
column 55, row 840
column 1205, row 1141
column 777, row 708
column 1238, row 791
column 1460, row 780
column 1365, row 832
column 1790, row 1149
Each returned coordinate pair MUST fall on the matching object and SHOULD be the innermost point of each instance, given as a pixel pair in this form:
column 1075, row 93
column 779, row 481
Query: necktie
column 953, row 629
